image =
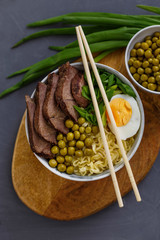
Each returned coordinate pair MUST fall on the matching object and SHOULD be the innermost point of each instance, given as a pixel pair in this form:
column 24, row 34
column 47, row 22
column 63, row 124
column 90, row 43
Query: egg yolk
column 121, row 110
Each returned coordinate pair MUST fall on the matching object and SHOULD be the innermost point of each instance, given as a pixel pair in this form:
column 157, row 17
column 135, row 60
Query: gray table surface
column 135, row 221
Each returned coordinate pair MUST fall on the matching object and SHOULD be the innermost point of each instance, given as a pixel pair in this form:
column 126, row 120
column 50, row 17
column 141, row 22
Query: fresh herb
column 126, row 89
column 112, row 85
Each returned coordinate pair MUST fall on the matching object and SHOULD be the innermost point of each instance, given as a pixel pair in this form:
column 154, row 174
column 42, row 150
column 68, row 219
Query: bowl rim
column 117, row 167
column 126, row 58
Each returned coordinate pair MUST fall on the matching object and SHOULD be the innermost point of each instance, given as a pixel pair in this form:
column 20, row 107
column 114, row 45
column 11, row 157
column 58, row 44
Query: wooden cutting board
column 57, row 198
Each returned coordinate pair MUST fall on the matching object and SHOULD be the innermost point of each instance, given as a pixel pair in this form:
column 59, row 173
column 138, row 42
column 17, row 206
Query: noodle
column 95, row 164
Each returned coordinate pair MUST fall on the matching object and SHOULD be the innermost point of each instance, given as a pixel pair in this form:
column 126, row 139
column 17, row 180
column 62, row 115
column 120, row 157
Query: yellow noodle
column 89, row 165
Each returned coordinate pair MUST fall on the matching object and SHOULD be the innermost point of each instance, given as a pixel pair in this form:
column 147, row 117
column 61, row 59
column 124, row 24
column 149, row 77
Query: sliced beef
column 41, row 126
column 51, row 110
column 77, row 84
column 63, row 93
column 38, row 144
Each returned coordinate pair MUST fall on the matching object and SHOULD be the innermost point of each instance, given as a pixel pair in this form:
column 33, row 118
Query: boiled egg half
column 126, row 114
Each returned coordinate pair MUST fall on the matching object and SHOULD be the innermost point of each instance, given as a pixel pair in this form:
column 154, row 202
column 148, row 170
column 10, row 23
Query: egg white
column 131, row 128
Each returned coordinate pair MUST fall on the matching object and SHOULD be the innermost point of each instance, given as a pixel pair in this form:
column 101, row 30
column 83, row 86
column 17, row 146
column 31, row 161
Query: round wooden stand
column 57, row 198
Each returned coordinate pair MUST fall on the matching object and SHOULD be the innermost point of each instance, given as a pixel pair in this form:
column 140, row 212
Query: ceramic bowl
column 139, row 37
column 131, row 152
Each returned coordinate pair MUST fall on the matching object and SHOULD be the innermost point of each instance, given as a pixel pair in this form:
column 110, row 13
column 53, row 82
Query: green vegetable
column 58, row 31
column 122, row 33
column 49, row 64
column 86, row 92
column 114, row 22
column 87, row 14
column 99, row 28
column 149, row 8
column 126, row 89
column 103, row 54
column 112, row 85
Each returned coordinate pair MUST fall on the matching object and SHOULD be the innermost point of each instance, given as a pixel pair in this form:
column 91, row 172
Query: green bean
column 47, row 65
column 87, row 14
column 103, row 54
column 111, row 21
column 57, row 31
column 74, row 52
column 122, row 33
column 19, row 72
column 149, row 8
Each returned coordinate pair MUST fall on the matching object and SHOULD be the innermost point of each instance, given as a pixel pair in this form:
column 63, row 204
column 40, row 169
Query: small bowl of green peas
column 142, row 59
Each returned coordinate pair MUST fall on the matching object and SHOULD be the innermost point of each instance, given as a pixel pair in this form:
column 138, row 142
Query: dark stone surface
column 134, row 221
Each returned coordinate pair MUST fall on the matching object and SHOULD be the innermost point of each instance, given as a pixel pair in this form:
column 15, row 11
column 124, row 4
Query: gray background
column 134, row 221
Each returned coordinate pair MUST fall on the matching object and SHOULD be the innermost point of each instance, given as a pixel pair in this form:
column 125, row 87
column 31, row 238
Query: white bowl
column 131, row 152
column 139, row 37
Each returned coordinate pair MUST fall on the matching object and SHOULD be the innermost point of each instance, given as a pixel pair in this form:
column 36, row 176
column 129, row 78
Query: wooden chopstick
column 99, row 120
column 126, row 162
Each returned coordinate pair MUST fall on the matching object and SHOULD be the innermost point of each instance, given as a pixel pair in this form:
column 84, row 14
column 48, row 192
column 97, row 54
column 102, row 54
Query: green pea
column 79, row 153
column 72, row 143
column 63, row 151
column 61, row 144
column 88, row 130
column 77, row 135
column 61, row 167
column 148, row 70
column 158, row 78
column 75, row 127
column 140, row 71
column 130, row 62
column 54, row 150
column 82, row 136
column 155, row 61
column 157, row 34
column 88, row 152
column 154, row 39
column 149, row 42
column 81, row 129
column 145, row 84
column 154, row 46
column 79, row 144
column 52, row 163
column 88, row 142
column 157, row 51
column 145, row 64
column 133, row 52
column 144, row 46
column 68, row 159
column 155, row 68
column 158, row 42
column 137, row 64
column 132, row 70
column 151, row 79
column 70, row 170
column 136, row 76
column 137, row 45
column 69, row 123
column 60, row 136
column 70, row 136
column 60, row 159
column 81, row 120
column 148, row 38
column 140, row 52
column 144, row 77
column 148, row 54
column 71, row 151
column 152, row 86
column 95, row 129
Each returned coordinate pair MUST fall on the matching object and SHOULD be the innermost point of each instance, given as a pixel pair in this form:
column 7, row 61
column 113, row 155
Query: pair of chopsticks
column 83, row 43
